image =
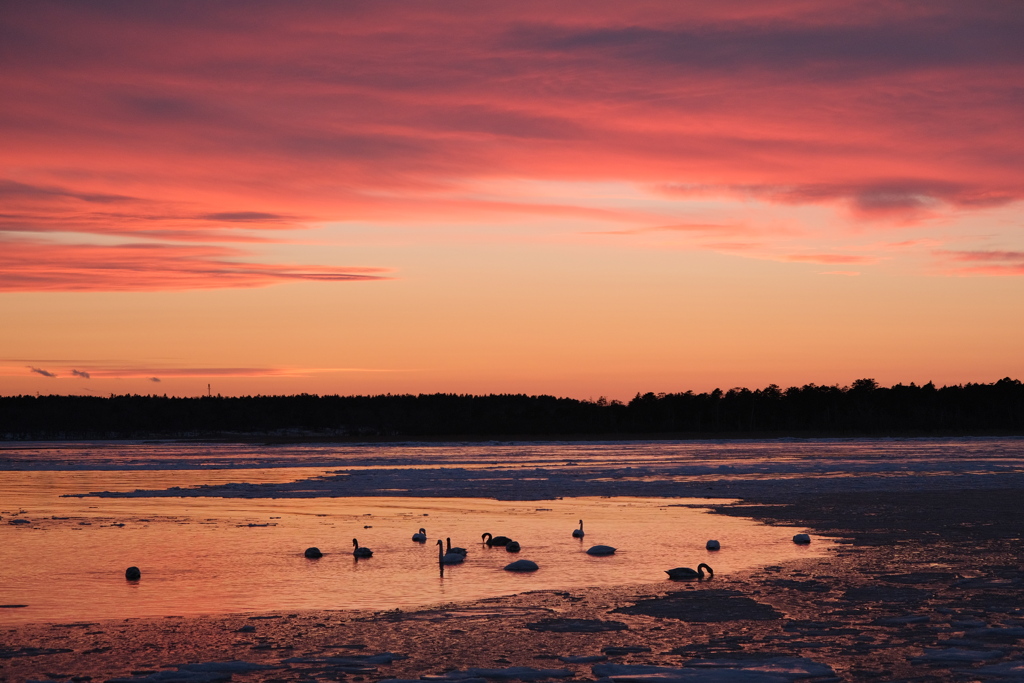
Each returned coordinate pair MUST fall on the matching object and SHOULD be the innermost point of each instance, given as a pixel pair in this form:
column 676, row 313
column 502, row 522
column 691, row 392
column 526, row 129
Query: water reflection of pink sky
column 209, row 554
column 723, row 459
column 200, row 555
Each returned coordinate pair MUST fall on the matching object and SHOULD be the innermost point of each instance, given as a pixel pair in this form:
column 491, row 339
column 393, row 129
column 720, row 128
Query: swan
column 449, row 557
column 313, row 553
column 522, row 566
column 713, row 545
column 512, row 546
column 802, row 539
column 132, row 574
column 456, row 550
column 420, row 536
column 578, row 533
column 495, row 540
column 601, row 550
column 687, row 574
column 360, row 552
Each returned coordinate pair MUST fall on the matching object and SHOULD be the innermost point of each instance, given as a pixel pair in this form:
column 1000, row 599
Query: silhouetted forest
column 864, row 408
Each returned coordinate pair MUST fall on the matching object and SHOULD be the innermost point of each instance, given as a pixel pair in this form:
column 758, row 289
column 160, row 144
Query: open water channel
column 64, row 554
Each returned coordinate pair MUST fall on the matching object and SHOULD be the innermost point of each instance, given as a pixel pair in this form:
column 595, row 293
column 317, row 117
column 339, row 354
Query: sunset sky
column 579, row 199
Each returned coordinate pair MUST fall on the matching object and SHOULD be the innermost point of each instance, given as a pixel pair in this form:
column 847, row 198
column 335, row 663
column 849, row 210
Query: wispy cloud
column 247, row 217
column 101, row 371
column 690, row 228
column 35, row 265
column 983, row 262
column 830, row 258
column 152, row 128
column 989, row 256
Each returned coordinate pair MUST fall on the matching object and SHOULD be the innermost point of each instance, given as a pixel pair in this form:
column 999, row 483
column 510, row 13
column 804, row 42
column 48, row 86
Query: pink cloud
column 697, row 228
column 108, row 370
column 984, row 262
column 984, row 256
column 148, row 372
column 1012, row 269
column 231, row 125
column 830, row 258
column 30, row 265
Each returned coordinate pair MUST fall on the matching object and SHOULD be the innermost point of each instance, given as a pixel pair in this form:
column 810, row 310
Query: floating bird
column 713, row 545
column 132, row 574
column 449, row 557
column 313, row 553
column 578, row 533
column 457, row 550
column 601, row 550
column 687, row 574
column 512, row 546
column 522, row 566
column 420, row 536
column 360, row 552
column 496, row 540
column 802, row 539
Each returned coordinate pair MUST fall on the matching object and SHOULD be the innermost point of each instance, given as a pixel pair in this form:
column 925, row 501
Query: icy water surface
column 737, row 458
column 216, row 555
column 238, row 546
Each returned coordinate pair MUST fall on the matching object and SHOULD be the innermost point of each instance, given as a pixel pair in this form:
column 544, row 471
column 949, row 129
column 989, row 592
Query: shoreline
column 271, row 439
column 924, row 584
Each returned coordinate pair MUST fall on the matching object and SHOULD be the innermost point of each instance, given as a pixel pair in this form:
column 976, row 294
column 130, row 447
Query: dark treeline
column 864, row 408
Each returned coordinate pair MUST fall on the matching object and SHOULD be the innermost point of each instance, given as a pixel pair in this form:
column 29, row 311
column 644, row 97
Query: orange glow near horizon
column 365, row 199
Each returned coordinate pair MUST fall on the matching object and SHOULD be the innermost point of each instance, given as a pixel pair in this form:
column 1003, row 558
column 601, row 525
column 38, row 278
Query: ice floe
column 763, row 670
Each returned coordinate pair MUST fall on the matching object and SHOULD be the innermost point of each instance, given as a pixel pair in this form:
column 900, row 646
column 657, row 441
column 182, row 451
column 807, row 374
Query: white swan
column 420, row 536
column 456, row 550
column 601, row 550
column 448, row 558
column 522, row 566
column 359, row 551
column 687, row 574
column 512, row 546
column 578, row 533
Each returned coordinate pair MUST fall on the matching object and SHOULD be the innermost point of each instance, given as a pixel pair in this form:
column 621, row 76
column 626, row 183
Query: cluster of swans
column 448, row 555
column 357, row 551
column 451, row 555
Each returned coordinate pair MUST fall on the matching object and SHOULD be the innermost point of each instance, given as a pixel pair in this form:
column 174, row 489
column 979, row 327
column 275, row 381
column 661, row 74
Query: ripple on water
column 224, row 555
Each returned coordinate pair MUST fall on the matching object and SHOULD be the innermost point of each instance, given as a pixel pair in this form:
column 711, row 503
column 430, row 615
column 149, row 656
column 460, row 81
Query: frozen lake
column 220, row 528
